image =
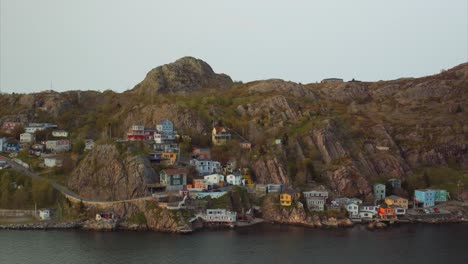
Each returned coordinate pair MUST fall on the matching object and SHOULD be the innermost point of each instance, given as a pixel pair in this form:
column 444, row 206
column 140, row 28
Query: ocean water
column 265, row 243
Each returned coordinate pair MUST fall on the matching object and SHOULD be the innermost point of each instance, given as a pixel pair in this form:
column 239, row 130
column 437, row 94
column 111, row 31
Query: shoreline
column 80, row 225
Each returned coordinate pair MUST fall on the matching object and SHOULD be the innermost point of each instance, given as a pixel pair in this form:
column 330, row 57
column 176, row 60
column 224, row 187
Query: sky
column 112, row 44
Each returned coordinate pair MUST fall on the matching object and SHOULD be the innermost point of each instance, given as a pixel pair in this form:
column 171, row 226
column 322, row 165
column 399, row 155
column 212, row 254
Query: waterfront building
column 424, row 197
column 398, row 201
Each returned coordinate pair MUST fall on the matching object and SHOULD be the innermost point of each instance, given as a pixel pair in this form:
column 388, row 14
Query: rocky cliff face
column 297, row 215
column 184, row 75
column 106, row 174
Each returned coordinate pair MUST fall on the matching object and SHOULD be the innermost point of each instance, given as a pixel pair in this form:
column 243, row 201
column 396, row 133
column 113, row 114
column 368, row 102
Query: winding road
column 65, row 191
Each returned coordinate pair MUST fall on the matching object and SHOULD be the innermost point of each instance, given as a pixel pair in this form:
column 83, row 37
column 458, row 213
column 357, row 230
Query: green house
column 441, row 195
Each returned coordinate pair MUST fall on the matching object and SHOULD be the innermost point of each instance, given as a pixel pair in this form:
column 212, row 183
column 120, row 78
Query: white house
column 27, row 138
column 214, row 179
column 400, row 210
column 60, row 133
column 52, row 162
column 205, row 167
column 58, row 145
column 234, row 179
column 89, row 144
column 369, row 208
column 353, row 209
column 316, row 199
column 219, row 215
column 44, row 214
column 366, row 214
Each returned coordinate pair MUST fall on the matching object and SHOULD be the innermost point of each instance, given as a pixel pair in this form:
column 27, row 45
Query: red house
column 387, row 213
column 139, row 132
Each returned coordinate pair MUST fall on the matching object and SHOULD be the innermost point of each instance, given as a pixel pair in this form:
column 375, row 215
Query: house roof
column 220, row 129
column 175, row 171
column 394, row 197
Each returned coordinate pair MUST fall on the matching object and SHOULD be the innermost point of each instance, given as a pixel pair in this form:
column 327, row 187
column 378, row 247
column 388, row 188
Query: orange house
column 200, row 184
column 285, row 199
column 387, row 213
column 171, row 157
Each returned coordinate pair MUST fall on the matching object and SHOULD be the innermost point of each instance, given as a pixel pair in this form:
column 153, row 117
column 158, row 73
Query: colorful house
column 27, row 138
column 58, row 145
column 395, row 183
column 205, row 167
column 174, row 179
column 275, row 188
column 10, row 126
column 316, row 199
column 201, row 184
column 169, row 157
column 387, row 213
column 379, row 191
column 397, row 201
column 353, row 209
column 220, row 136
column 441, row 195
column 286, row 199
column 424, row 197
column 139, row 132
column 201, row 153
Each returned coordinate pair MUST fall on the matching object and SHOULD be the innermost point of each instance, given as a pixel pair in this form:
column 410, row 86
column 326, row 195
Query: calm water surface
column 420, row 244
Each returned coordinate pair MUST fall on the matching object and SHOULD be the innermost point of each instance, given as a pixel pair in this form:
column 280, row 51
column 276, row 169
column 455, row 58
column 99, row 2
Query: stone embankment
column 43, row 226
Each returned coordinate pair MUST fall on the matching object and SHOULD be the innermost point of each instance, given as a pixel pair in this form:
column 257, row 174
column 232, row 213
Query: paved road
column 65, row 191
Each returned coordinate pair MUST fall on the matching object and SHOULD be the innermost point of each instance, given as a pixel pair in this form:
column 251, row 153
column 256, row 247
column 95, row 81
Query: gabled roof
column 395, row 197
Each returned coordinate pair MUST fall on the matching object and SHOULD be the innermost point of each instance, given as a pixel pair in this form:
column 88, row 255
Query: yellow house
column 170, row 157
column 220, row 136
column 247, row 179
column 285, row 199
column 398, row 201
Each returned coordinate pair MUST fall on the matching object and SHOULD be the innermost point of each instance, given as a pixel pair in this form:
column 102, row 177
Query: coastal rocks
column 104, row 225
column 184, row 75
column 43, row 226
column 165, row 220
column 296, row 215
column 376, row 225
column 118, row 176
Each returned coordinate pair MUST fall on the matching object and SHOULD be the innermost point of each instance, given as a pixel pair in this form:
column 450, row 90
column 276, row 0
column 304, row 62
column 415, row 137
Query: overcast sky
column 112, row 44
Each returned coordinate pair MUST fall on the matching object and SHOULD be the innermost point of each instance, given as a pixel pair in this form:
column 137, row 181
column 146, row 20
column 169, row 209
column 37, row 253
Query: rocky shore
column 331, row 222
column 43, row 226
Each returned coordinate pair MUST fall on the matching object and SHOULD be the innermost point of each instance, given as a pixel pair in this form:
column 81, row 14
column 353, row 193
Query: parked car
column 436, row 210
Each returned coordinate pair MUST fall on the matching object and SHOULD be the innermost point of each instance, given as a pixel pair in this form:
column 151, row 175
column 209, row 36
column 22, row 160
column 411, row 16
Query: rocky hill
column 184, row 75
column 345, row 135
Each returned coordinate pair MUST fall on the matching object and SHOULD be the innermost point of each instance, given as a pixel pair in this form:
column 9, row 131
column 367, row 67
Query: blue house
column 424, row 198
column 379, row 191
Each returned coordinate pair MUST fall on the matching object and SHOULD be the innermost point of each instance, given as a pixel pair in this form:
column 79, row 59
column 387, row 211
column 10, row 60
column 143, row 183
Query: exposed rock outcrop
column 184, row 75
column 106, row 174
